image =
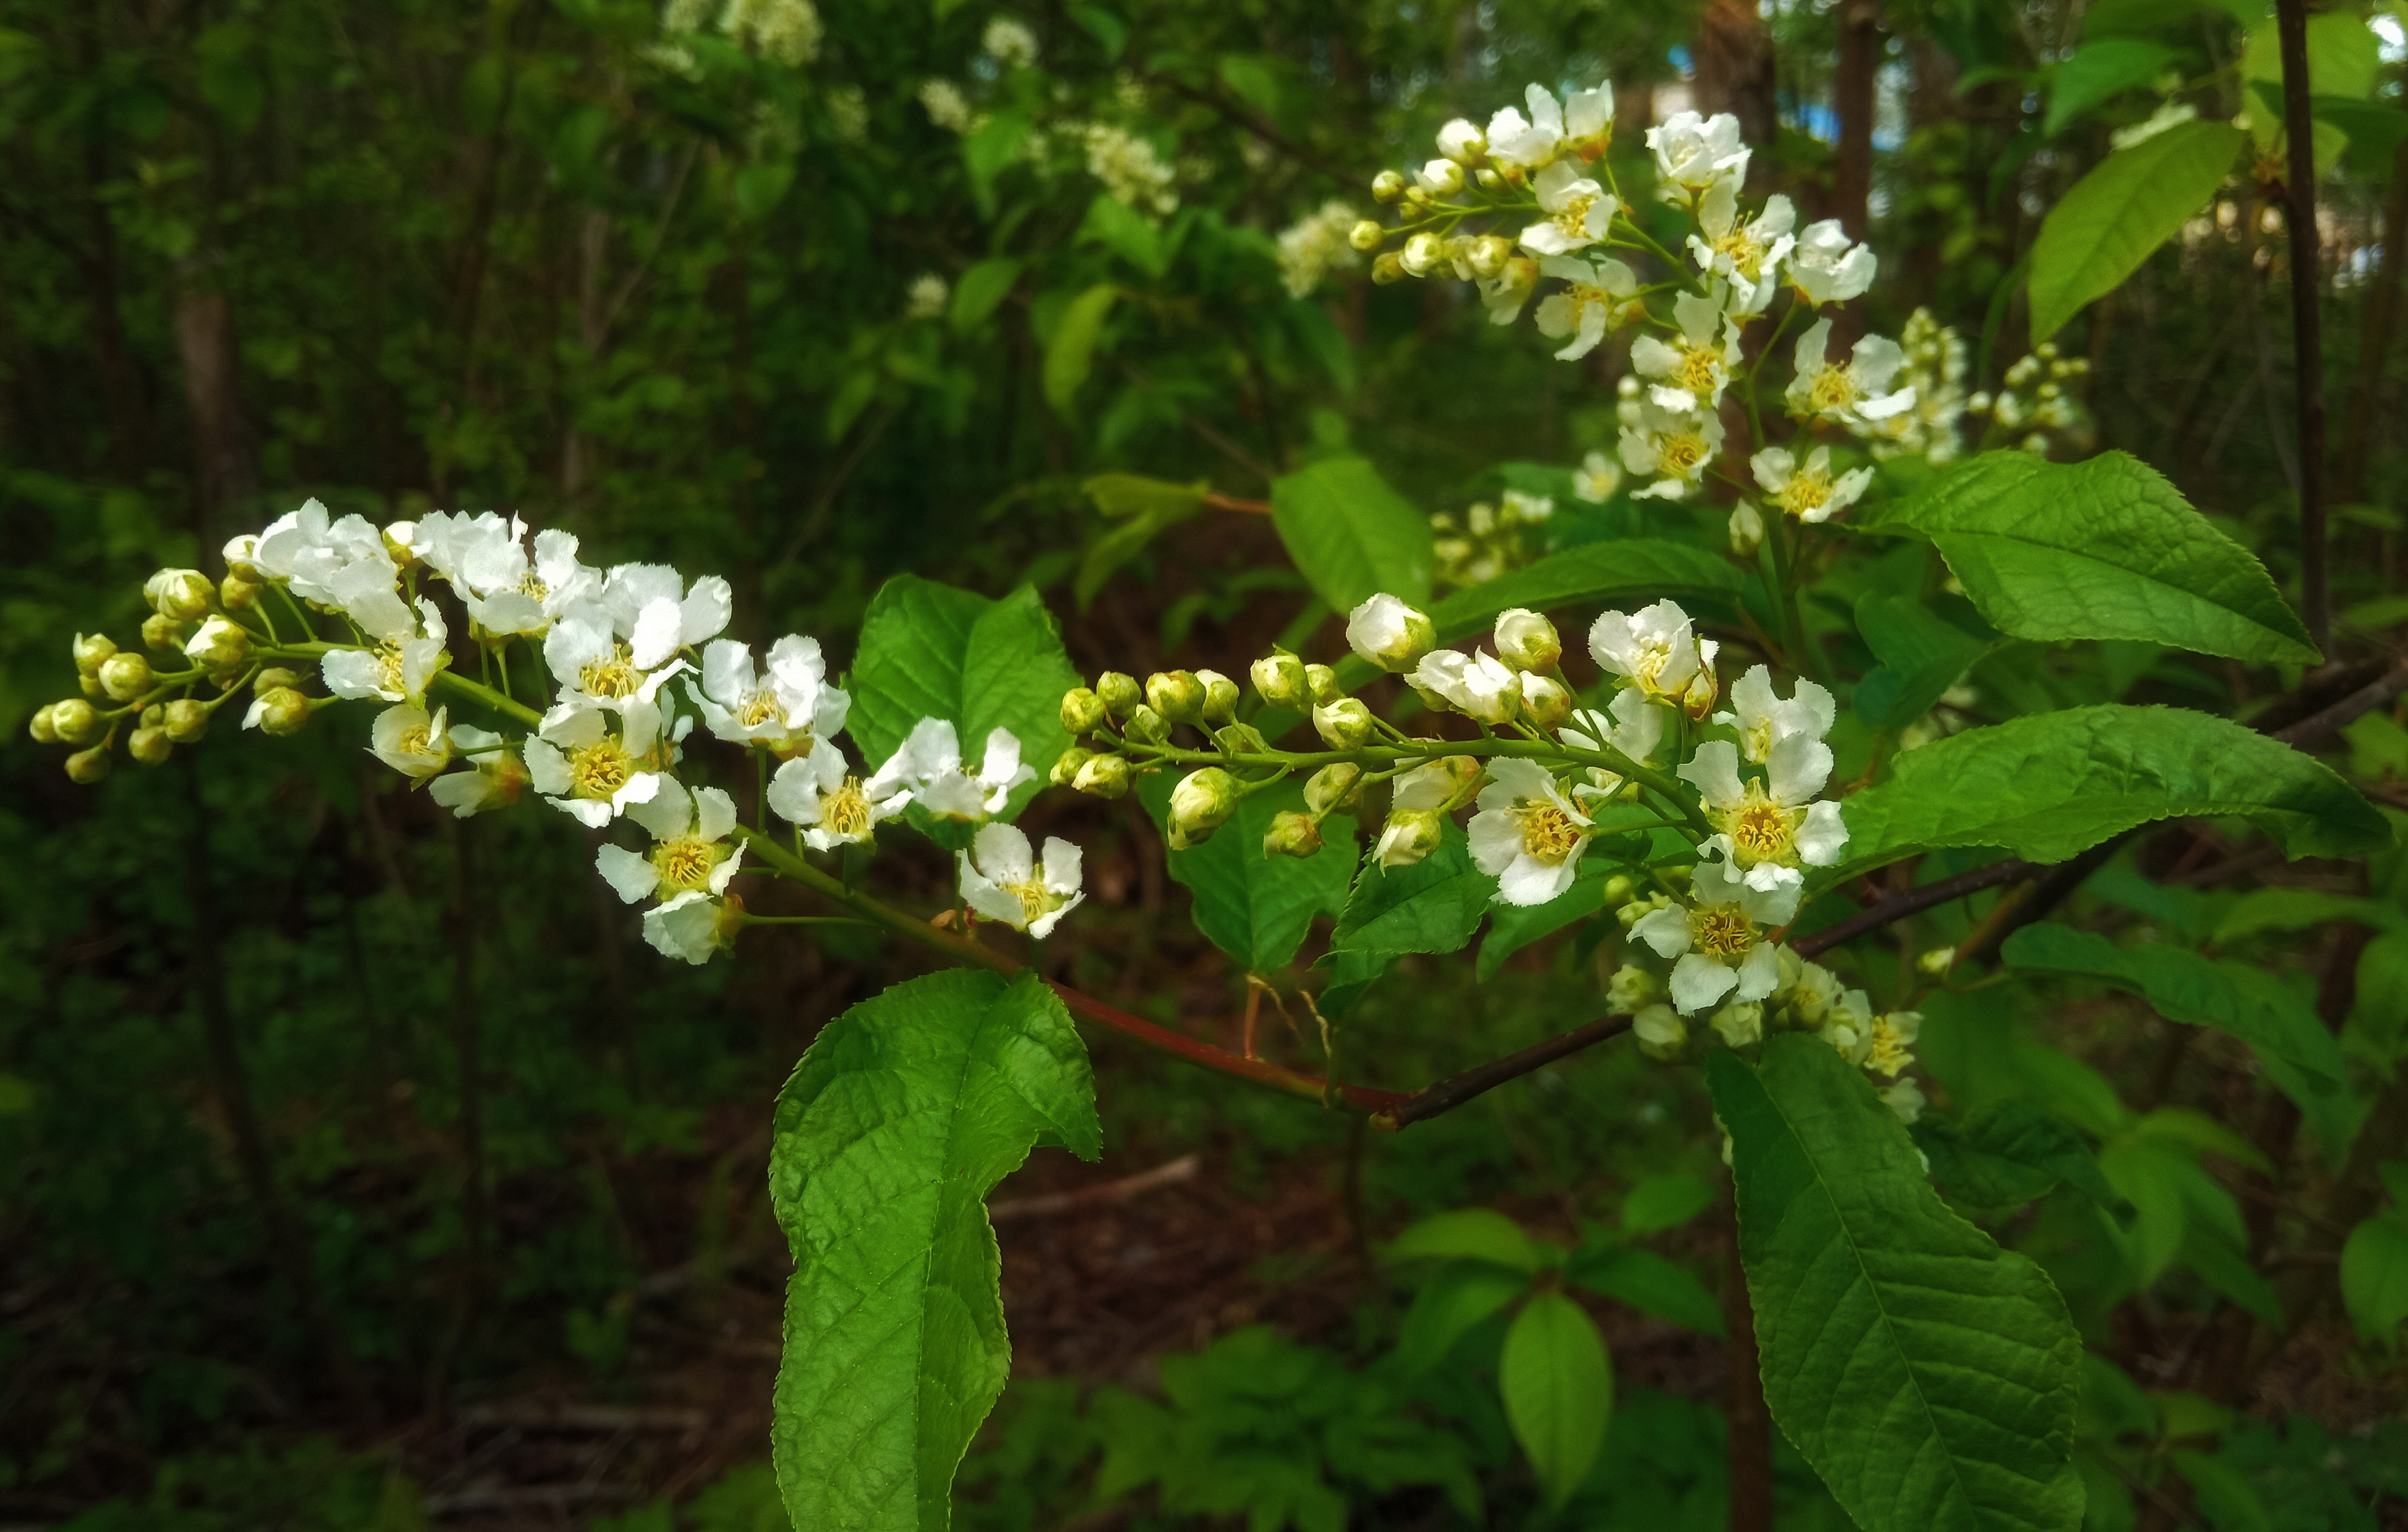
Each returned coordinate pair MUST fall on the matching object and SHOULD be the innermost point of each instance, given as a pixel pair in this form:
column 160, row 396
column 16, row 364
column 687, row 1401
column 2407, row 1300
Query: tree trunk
column 1853, row 100
column 2374, row 346
column 1735, row 74
column 224, row 462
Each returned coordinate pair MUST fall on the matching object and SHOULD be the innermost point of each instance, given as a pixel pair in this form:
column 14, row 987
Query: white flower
column 651, row 608
column 1763, row 719
column 1850, row 392
column 1002, row 881
column 1596, row 480
column 1825, row 266
column 1527, row 835
column 788, row 709
column 1462, row 141
column 1907, row 1099
column 689, row 852
column 1809, row 494
column 1694, row 368
column 496, row 777
column 1478, row 685
column 1582, row 121
column 787, row 31
column 945, row 106
column 926, row 297
column 410, row 742
column 507, row 592
column 1631, row 725
column 1010, row 43
column 1439, row 177
column 1680, row 447
column 816, row 792
column 399, row 668
column 1657, row 650
column 1315, row 245
column 687, row 927
column 1770, row 822
column 1504, row 294
column 1578, row 211
column 1598, row 296
column 1658, row 1030
column 1747, row 252
column 1716, row 938
column 341, row 563
column 1893, row 1034
column 1389, row 634
column 590, row 773
column 1434, row 784
column 930, row 764
column 1693, row 154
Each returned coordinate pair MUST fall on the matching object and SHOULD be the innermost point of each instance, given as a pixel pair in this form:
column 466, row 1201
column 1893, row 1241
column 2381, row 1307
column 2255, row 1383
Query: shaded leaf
column 1648, row 1283
column 2008, row 1153
column 1070, row 352
column 1458, row 1297
column 1351, row 536
column 2115, row 216
column 1256, row 909
column 1558, row 1390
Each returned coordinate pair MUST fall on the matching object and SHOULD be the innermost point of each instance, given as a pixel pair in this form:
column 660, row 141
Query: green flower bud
column 1661, row 1033
column 1937, row 962
column 273, row 677
column 1388, row 186
column 75, row 722
column 1220, row 697
column 151, row 747
column 180, row 593
column 186, row 721
column 1617, row 892
column 1390, row 634
column 283, row 711
column 1528, row 641
column 1066, row 766
column 154, row 716
column 1487, row 179
column 1279, row 676
column 41, row 728
column 1321, row 683
column 235, row 592
column 1546, row 702
column 1103, row 777
column 1366, row 234
column 1632, row 990
column 91, row 687
column 160, row 631
column 1489, row 253
column 1336, row 788
column 1411, row 834
column 1241, row 738
column 1343, row 724
column 1291, row 834
column 218, row 646
column 1387, row 267
column 1120, row 692
column 126, row 675
column 92, row 650
column 1083, row 711
column 1177, row 696
column 1146, row 726
column 1201, row 804
column 89, row 765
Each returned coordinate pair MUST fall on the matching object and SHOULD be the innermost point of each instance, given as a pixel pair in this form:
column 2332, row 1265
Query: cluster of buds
column 1490, row 539
column 2038, row 405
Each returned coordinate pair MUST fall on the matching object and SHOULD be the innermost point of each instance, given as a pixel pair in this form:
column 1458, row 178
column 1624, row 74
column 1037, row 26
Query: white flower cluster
column 947, row 107
column 1128, row 166
column 1490, row 539
column 926, row 296
column 786, row 31
column 1316, row 245
column 1935, row 371
column 1010, row 43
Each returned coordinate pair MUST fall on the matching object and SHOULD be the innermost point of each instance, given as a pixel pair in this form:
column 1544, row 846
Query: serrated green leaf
column 934, row 650
column 1641, row 569
column 1351, row 536
column 2182, row 986
column 1433, row 906
column 2098, row 70
column 2008, row 1153
column 1256, row 909
column 2115, row 216
column 1927, row 1375
column 1558, row 1390
column 1458, row 1297
column 1512, row 928
column 1648, row 1283
column 2101, row 549
column 2051, row 786
column 1469, row 1234
column 2374, row 1275
column 980, row 291
column 901, row 1116
column 1922, row 655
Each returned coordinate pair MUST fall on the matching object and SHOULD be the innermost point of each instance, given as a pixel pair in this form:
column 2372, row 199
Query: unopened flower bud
column 180, row 593
column 126, row 675
column 1279, row 676
column 1176, row 694
column 1067, row 765
column 89, row 765
column 90, row 686
column 1083, row 711
column 1546, row 702
column 1292, row 833
column 273, row 677
column 1741, row 1022
column 151, row 747
column 185, row 720
column 1201, row 804
column 1442, row 178
column 41, row 728
column 218, row 646
column 283, row 711
column 1421, row 254
column 1146, row 726
column 1220, row 697
column 92, row 650
column 398, row 539
column 1389, row 634
column 1528, row 641
column 1388, row 186
column 1387, row 267
column 234, row 592
column 1119, row 693
column 1938, row 961
column 1489, row 253
column 1661, row 1033
column 1462, row 141
column 75, row 721
column 1103, row 777
column 1746, row 529
column 1411, row 834
column 161, row 631
column 1632, row 990
column 1335, row 788
column 239, row 552
column 1617, row 892
column 1343, row 724
column 1321, row 684
column 1487, row 179
column 1366, row 234
column 1698, row 700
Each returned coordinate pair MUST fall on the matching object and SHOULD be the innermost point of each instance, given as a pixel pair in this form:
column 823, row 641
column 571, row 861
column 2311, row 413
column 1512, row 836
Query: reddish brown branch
column 1455, row 1090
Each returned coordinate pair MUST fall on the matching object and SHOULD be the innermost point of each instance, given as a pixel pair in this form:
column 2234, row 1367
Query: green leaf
column 901, row 1116
column 1558, row 1391
column 2115, row 216
column 2374, row 1275
column 2101, row 549
column 1070, row 353
column 2182, row 986
column 1927, row 1375
column 1122, row 230
column 981, row 290
column 1148, row 507
column 759, row 188
column 1649, row 1284
column 2113, row 18
column 1433, row 906
column 933, row 651
column 1663, row 1202
column 2288, row 910
column 1922, row 654
column 1640, row 569
column 2051, row 786
column 2150, row 1177
column 1471, row 1234
column 2223, row 1494
column 2006, row 1155
column 2098, row 70
column 1256, row 909
column 2226, row 1271
column 988, row 150
column 1110, row 32
column 1351, row 536
column 1512, row 928
column 2345, row 59
column 1458, row 1297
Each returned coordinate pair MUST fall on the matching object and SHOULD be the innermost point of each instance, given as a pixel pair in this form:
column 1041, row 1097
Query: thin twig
column 2307, row 339
column 1053, row 1203
column 1455, row 1090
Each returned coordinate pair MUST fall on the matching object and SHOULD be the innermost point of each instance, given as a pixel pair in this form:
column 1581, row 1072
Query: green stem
column 460, row 686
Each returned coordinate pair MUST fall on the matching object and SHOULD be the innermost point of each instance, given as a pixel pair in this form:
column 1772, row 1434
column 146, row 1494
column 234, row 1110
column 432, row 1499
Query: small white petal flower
column 1694, row 366
column 1746, row 252
column 1695, row 154
column 1657, row 650
column 1763, row 718
column 1577, row 209
column 585, row 769
column 1001, row 879
column 789, row 709
column 1389, row 634
column 399, row 668
column 1849, row 393
column 410, row 741
column 1826, row 266
column 687, row 927
column 1527, row 835
column 1631, row 725
column 1596, row 480
column 1677, row 446
column 689, row 852
column 1598, row 298
column 1478, row 685
column 496, row 777
column 1763, row 820
column 832, row 806
column 1809, row 493
column 929, row 764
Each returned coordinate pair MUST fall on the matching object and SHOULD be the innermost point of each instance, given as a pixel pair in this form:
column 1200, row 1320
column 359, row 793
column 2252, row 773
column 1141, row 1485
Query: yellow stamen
column 1832, row 388
column 599, row 770
column 1548, row 833
column 1574, row 218
column 1806, row 491
column 1722, row 931
column 1035, row 899
column 614, row 675
column 686, row 862
column 846, row 811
